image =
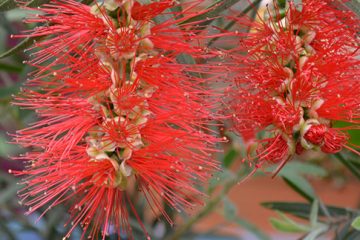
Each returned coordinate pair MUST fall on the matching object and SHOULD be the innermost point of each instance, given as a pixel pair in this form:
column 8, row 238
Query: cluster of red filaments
column 300, row 75
column 117, row 112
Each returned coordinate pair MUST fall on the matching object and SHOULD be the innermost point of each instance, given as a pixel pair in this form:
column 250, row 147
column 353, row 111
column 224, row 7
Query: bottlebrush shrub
column 117, row 112
column 297, row 72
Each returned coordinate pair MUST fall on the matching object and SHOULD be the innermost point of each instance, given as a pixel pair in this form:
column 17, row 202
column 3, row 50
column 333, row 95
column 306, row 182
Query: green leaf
column 6, row 92
column 6, row 149
column 303, row 168
column 282, row 3
column 185, row 58
column 293, row 173
column 286, row 224
column 9, row 68
column 17, row 15
column 36, row 3
column 8, row 193
column 20, row 46
column 356, row 223
column 353, row 133
column 300, row 185
column 230, row 157
column 87, row 2
column 350, row 165
column 7, row 5
column 303, row 210
column 316, row 232
column 314, row 213
column 354, row 5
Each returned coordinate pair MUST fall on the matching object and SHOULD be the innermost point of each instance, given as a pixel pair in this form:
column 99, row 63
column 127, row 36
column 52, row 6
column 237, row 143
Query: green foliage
column 6, row 149
column 315, row 228
column 354, row 5
column 9, row 68
column 322, row 218
column 356, row 223
column 303, row 210
column 27, row 42
column 314, row 213
column 36, row 3
column 6, row 5
column 354, row 167
column 230, row 157
column 294, row 175
column 354, row 136
column 286, row 224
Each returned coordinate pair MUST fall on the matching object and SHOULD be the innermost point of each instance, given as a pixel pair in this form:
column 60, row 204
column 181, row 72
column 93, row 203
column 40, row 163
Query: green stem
column 209, row 207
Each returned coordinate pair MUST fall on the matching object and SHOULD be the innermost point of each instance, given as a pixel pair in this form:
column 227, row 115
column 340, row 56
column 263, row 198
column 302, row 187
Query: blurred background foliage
column 313, row 217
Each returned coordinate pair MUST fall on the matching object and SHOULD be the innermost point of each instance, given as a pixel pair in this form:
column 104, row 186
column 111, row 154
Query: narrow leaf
column 303, row 210
column 36, row 3
column 20, row 46
column 354, row 137
column 293, row 174
column 282, row 3
column 356, row 223
column 300, row 185
column 303, row 168
column 354, row 5
column 315, row 233
column 355, row 170
column 9, row 193
column 6, row 92
column 314, row 213
column 7, row 5
column 185, row 59
column 87, row 2
column 230, row 157
column 286, row 224
column 10, row 68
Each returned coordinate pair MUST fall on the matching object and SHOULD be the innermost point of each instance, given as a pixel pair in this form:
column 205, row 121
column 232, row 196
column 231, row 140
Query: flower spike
column 117, row 112
column 296, row 73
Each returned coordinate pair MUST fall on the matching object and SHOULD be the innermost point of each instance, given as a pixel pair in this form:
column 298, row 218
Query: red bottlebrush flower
column 316, row 134
column 334, row 140
column 299, row 73
column 116, row 110
column 275, row 149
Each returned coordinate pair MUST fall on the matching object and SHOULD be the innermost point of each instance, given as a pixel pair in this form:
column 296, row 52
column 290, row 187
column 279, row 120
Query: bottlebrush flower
column 117, row 112
column 299, row 75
